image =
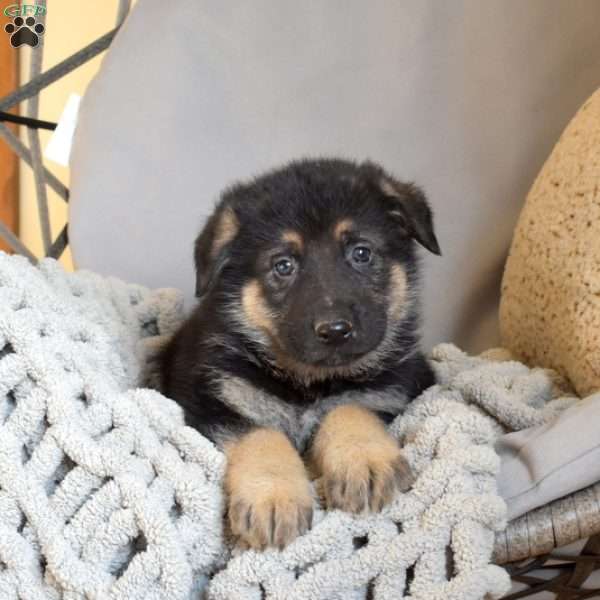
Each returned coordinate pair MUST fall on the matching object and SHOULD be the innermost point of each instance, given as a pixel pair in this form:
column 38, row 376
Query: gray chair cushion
column 464, row 97
column 543, row 463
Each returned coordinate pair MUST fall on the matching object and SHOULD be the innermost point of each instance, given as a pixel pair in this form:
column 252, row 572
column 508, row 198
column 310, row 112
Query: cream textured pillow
column 550, row 306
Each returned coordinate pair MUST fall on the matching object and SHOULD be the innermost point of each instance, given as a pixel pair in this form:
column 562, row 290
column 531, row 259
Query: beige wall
column 70, row 25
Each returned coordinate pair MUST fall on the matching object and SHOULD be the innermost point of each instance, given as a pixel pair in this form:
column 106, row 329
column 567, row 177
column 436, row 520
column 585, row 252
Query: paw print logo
column 24, row 31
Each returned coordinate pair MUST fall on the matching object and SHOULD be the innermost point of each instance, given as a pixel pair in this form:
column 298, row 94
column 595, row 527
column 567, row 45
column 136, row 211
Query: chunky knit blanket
column 105, row 493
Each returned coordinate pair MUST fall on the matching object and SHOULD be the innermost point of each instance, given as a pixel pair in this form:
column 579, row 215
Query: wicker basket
column 530, row 546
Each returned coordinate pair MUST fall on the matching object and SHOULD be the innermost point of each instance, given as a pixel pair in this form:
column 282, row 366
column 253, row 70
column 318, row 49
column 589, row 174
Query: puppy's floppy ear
column 409, row 207
column 211, row 248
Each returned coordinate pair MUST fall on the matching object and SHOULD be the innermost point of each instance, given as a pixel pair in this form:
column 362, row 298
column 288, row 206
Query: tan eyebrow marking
column 342, row 227
column 293, row 237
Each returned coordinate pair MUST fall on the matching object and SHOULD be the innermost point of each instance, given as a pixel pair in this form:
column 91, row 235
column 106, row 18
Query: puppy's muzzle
column 334, row 332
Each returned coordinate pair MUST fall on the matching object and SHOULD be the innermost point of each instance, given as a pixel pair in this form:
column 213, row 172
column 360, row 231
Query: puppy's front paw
column 366, row 475
column 269, row 499
column 274, row 516
column 360, row 463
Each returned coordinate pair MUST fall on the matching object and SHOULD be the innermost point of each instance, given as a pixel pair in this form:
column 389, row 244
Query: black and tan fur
column 305, row 340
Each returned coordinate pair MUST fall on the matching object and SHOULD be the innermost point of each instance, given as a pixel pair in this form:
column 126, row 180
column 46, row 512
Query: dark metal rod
column 33, row 123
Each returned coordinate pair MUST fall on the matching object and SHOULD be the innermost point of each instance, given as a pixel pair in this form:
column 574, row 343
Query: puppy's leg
column 360, row 463
column 268, row 490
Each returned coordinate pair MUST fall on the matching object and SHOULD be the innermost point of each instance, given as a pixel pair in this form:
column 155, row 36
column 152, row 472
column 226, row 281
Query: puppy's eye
column 284, row 267
column 361, row 254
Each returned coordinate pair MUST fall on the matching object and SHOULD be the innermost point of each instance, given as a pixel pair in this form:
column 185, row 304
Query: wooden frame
column 9, row 162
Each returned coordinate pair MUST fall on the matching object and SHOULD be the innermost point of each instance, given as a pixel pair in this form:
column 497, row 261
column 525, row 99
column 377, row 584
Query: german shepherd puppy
column 305, row 338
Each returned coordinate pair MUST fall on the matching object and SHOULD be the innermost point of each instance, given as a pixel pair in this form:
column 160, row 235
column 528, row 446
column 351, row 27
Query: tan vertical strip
column 9, row 164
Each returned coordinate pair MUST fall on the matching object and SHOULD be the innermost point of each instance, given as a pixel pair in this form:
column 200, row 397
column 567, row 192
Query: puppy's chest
column 299, row 415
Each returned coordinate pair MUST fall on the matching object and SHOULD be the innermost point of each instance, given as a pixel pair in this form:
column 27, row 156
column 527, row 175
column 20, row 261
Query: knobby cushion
column 550, row 306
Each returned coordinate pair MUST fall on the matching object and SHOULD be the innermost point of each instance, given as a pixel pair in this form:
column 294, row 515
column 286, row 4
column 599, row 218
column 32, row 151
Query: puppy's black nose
column 333, row 332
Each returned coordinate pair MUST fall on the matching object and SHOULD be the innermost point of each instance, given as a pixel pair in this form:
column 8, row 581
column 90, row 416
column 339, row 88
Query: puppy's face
column 315, row 263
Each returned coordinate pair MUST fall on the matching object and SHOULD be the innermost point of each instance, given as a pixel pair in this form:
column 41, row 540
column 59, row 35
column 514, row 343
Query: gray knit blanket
column 105, row 493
